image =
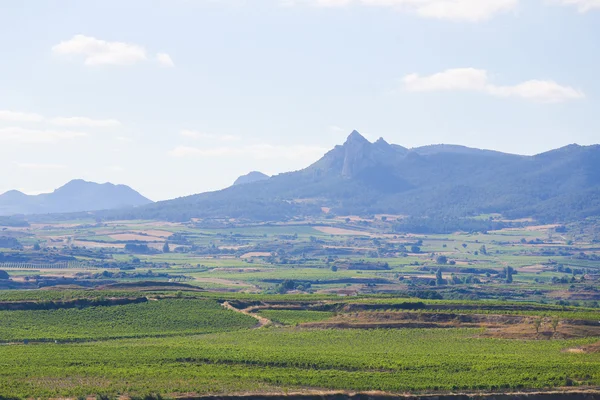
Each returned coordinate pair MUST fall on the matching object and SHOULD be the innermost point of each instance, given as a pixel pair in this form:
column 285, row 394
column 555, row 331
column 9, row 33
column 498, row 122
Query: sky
column 176, row 97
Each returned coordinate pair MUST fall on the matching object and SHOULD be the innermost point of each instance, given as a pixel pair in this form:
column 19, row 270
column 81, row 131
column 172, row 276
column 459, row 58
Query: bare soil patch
column 496, row 326
column 262, row 321
column 590, row 348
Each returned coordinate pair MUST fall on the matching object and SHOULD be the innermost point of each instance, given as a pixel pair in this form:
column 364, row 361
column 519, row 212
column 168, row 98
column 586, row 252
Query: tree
column 555, row 321
column 137, row 248
column 4, row 274
column 508, row 271
column 537, row 323
column 415, row 249
column 483, row 249
column 36, row 247
column 442, row 260
column 464, row 245
column 334, row 268
column 439, row 279
column 166, row 248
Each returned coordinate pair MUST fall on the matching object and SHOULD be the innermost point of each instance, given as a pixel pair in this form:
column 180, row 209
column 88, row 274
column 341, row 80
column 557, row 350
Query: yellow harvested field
column 534, row 228
column 134, row 236
column 232, row 247
column 256, row 254
column 157, row 233
column 53, row 226
column 533, row 268
column 330, row 230
column 98, row 245
column 353, row 218
column 220, row 281
column 149, row 223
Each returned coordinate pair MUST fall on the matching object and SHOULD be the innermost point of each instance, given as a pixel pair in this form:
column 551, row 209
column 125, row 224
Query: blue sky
column 175, row 97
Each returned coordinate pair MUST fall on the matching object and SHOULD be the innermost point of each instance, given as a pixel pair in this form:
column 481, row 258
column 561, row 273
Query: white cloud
column 101, row 52
column 37, row 166
column 536, row 90
column 115, row 168
column 209, row 136
column 14, row 116
column 86, row 122
column 452, row 79
column 185, row 151
column 477, row 80
column 165, row 60
column 259, row 152
column 22, row 135
column 458, row 10
column 582, row 5
column 124, row 139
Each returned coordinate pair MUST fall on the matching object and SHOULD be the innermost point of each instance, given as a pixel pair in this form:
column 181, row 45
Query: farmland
column 388, row 360
column 151, row 318
column 145, row 309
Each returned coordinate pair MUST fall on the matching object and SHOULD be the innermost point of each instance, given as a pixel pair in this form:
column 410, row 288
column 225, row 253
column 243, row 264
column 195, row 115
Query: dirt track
column 262, row 321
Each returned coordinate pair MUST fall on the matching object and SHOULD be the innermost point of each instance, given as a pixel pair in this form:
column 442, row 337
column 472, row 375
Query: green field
column 153, row 318
column 393, row 314
column 389, row 360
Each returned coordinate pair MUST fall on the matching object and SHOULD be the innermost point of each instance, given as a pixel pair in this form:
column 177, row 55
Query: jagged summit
column 356, row 138
column 356, row 152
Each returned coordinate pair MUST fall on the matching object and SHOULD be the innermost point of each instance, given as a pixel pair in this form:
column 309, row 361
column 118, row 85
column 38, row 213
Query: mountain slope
column 251, row 177
column 77, row 195
column 364, row 178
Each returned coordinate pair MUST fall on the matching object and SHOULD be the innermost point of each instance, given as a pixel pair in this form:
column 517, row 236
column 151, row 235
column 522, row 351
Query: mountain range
column 77, row 195
column 364, row 178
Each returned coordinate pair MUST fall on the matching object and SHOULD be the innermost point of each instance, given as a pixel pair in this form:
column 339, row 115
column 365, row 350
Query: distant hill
column 251, row 177
column 360, row 177
column 77, row 195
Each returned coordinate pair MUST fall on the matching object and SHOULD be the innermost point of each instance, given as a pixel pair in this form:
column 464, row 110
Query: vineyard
column 36, row 266
column 153, row 318
column 273, row 359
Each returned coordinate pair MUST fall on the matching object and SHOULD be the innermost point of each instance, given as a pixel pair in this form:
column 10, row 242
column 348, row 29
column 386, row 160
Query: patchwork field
column 152, row 310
